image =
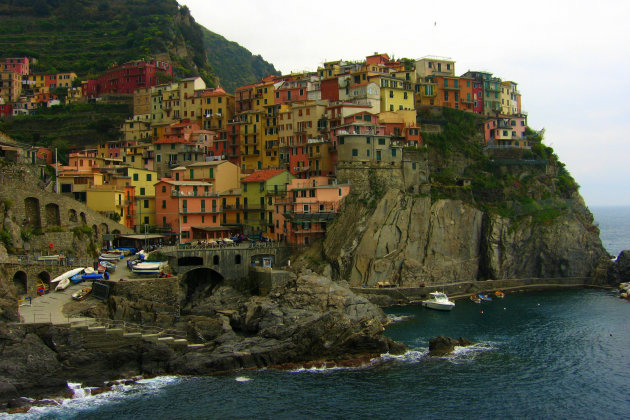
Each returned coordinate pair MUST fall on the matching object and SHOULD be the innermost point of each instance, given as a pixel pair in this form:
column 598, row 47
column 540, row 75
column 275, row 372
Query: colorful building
column 127, row 77
column 301, row 216
column 260, row 189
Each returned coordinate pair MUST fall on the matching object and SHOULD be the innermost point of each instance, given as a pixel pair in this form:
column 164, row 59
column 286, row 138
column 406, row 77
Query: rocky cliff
column 462, row 214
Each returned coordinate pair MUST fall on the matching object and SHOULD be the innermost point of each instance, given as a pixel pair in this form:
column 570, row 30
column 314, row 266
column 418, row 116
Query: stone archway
column 197, row 285
column 95, row 230
column 72, row 216
column 103, row 228
column 44, row 277
column 20, row 282
column 33, row 217
column 52, row 215
column 83, row 218
column 115, row 232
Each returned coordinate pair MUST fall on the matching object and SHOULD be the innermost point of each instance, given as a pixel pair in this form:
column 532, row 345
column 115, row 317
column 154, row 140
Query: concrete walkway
column 49, row 307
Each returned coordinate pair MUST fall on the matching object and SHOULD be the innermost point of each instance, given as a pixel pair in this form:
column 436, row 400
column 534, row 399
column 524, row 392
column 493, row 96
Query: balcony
column 277, row 191
column 254, row 207
column 192, row 194
column 232, row 207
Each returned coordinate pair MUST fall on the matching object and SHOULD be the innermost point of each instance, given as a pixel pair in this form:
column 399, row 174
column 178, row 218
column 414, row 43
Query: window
column 413, row 165
column 339, row 192
column 244, row 187
column 163, row 204
column 381, row 142
column 146, row 204
column 148, row 177
column 185, row 219
column 393, row 152
column 391, row 93
column 163, row 188
column 355, row 152
column 142, row 191
column 341, row 140
column 135, row 177
column 262, row 186
column 306, row 208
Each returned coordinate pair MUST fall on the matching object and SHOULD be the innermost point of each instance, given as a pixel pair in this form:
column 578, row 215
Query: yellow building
column 107, row 200
column 232, row 208
column 137, row 128
column 136, row 155
column 217, row 109
column 143, row 181
column 396, row 94
column 222, row 174
column 142, row 101
column 509, row 98
column 251, row 139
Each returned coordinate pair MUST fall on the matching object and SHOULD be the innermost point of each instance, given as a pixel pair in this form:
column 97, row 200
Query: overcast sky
column 571, row 60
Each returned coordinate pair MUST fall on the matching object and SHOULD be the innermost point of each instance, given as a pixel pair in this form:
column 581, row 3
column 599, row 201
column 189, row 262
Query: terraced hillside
column 86, row 36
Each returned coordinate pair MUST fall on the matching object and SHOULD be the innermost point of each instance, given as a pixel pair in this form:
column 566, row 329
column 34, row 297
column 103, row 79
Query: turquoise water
column 558, row 354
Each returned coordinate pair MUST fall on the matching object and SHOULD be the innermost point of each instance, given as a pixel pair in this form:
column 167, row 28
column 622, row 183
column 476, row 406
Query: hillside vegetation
column 87, row 36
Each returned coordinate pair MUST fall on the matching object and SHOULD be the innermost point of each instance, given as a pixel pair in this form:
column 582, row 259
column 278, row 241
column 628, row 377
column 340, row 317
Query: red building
column 18, row 65
column 6, row 110
column 124, row 79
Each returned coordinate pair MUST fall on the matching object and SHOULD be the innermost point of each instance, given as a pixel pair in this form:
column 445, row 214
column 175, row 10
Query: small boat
column 109, row 267
column 499, row 294
column 147, row 267
column 485, row 298
column 77, row 278
column 63, row 285
column 475, row 298
column 48, row 257
column 67, row 274
column 111, row 256
column 439, row 301
column 82, row 294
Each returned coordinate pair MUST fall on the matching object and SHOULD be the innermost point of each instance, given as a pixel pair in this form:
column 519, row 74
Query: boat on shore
column 63, row 285
column 475, row 298
column 147, row 268
column 82, row 294
column 67, row 274
column 438, row 301
column 485, row 298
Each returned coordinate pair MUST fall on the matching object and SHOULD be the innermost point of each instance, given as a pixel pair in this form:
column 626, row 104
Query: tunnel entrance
column 19, row 281
column 198, row 285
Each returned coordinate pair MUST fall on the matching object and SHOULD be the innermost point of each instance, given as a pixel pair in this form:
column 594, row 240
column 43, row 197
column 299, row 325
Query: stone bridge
column 232, row 263
column 26, row 276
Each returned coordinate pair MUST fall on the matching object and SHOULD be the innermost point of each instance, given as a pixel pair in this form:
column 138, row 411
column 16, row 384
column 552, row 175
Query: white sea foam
column 242, row 379
column 469, row 353
column 399, row 318
column 83, row 400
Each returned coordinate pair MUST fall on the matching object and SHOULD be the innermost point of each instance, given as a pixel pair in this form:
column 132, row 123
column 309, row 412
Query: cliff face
column 452, row 212
column 410, row 240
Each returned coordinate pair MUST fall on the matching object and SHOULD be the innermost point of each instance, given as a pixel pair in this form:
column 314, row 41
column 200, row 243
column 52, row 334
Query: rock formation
column 310, row 318
column 441, row 346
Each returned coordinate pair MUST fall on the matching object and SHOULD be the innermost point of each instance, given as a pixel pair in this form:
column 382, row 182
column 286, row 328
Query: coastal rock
column 619, row 271
column 440, row 346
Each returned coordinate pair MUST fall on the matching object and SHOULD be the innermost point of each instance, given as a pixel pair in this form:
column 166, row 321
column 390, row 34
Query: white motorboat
column 439, row 301
column 67, row 274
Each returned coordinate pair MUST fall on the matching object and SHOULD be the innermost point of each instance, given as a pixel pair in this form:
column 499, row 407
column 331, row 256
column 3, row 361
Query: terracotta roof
column 263, row 175
column 215, row 92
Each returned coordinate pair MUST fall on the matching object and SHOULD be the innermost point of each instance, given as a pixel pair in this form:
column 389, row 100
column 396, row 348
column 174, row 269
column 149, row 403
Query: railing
column 63, row 261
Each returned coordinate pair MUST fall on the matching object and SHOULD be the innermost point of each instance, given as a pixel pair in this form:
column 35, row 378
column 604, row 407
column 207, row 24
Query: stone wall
column 27, row 207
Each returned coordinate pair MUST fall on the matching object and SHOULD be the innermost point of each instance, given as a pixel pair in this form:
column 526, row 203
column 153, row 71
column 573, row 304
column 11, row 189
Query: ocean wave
column 83, row 399
column 468, row 353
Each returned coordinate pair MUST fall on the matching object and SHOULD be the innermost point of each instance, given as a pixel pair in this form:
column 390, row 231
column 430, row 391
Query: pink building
column 506, row 131
column 303, row 214
column 18, row 65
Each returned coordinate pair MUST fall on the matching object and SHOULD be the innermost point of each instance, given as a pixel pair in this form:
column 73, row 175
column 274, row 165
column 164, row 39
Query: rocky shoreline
column 308, row 321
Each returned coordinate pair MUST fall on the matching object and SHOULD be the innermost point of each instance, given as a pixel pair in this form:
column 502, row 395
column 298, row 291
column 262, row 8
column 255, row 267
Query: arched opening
column 237, row 259
column 215, row 260
column 115, row 232
column 103, row 228
column 72, row 216
column 20, row 282
column 83, row 218
column 33, row 218
column 197, row 285
column 188, row 261
column 95, row 230
column 43, row 279
column 52, row 215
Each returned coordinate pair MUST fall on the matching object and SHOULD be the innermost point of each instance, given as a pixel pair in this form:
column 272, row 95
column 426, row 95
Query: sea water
column 554, row 354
